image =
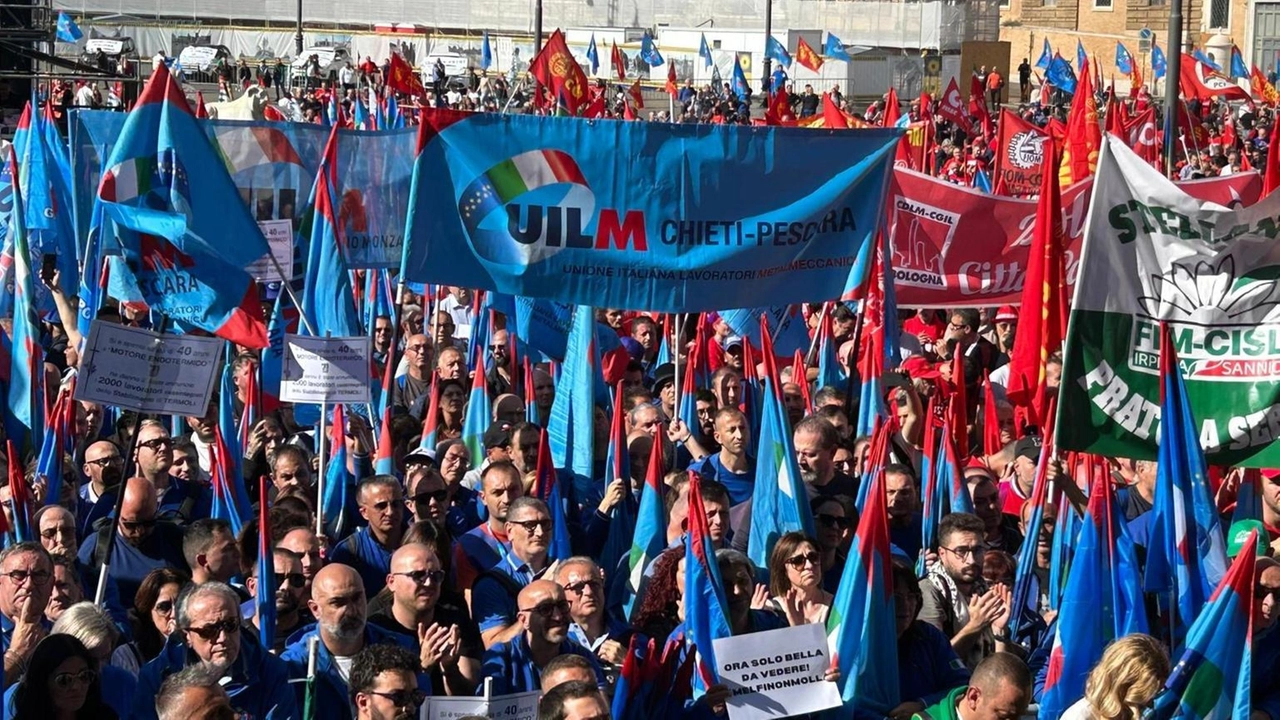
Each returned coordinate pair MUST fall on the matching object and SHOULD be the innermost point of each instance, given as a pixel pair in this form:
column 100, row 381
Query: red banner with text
column 954, row 246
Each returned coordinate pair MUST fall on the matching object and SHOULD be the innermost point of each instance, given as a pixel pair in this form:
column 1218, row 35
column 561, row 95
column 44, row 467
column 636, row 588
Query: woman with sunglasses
column 834, row 520
column 154, row 609
column 60, row 684
column 795, row 580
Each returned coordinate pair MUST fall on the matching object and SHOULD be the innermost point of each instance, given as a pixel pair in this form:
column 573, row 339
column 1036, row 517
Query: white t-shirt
column 1081, row 710
column 344, row 666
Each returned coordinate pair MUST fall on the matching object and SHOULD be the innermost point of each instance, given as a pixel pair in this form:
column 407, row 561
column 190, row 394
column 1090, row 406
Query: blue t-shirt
column 130, row 565
column 739, row 485
column 362, row 551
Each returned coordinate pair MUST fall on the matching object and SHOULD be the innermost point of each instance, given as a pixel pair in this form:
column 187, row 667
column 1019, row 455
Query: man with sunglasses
column 502, row 378
column 592, row 628
column 142, row 543
column 209, row 633
column 429, row 498
column 524, row 560
column 290, row 595
column 543, row 619
column 26, row 575
column 186, row 501
column 448, row 640
column 369, row 549
column 384, row 685
column 104, row 467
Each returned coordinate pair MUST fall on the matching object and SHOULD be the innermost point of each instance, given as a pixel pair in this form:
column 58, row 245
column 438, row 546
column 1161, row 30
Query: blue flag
column 327, row 300
column 740, row 86
column 775, row 50
column 1238, row 69
column 478, row 416
column 24, row 423
column 337, row 480
column 981, row 180
column 649, row 53
column 185, row 234
column 706, row 614
column 834, row 49
column 573, row 411
column 1061, row 76
column 650, row 536
column 1124, row 61
column 1081, row 57
column 47, row 197
column 1046, row 56
column 486, row 52
column 1202, row 56
column 265, row 597
column 788, row 331
column 1158, row 64
column 1213, row 676
column 68, row 31
column 1102, row 601
column 1186, row 554
column 593, row 55
column 704, row 51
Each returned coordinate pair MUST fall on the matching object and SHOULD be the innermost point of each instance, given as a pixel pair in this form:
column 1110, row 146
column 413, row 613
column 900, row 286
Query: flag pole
column 1172, row 76
column 100, row 593
column 320, row 438
column 675, row 360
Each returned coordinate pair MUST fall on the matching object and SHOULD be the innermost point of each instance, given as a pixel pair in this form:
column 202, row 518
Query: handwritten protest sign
column 777, row 673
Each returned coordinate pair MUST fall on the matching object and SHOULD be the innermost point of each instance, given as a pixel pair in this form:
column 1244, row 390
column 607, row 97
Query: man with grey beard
column 339, row 605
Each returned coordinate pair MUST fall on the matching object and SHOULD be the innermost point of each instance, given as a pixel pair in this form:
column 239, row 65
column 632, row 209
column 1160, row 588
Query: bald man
column 104, row 467
column 516, row 665
column 448, row 641
column 141, row 544
column 339, row 606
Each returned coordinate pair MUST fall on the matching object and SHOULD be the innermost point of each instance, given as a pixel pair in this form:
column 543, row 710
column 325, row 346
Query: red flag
column 1263, row 90
column 672, row 88
column 958, row 406
column 976, row 90
column 555, row 68
column 1019, row 151
column 990, row 419
column 1201, row 81
column 1142, row 135
column 201, row 110
column 1135, row 79
column 832, row 116
column 619, row 64
column 628, row 112
column 891, row 110
column 636, row 93
column 1083, row 139
column 1044, row 91
column 402, row 78
column 807, row 56
column 595, row 109
column 779, row 111
column 1271, row 177
column 1044, row 309
column 952, row 107
column 1115, row 125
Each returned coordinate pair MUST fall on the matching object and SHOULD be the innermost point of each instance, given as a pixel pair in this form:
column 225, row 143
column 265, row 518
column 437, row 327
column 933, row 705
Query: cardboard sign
column 325, row 370
column 279, row 235
column 148, row 372
column 777, row 673
column 522, row 706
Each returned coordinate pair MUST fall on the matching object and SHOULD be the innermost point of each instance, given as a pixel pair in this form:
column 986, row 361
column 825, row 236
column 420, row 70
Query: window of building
column 1220, row 13
column 1102, row 4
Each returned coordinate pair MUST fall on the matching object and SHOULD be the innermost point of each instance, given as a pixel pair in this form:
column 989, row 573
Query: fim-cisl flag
column 1153, row 253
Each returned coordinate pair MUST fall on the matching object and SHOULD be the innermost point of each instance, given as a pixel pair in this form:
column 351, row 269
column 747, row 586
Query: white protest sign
column 522, row 706
column 777, row 673
column 279, row 235
column 148, row 372
column 325, row 370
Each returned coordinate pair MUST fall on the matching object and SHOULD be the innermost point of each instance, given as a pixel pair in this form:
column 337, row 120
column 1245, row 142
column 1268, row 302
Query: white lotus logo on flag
column 1206, row 293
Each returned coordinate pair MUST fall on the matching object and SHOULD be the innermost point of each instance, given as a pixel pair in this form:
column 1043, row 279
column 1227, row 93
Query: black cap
column 1029, row 447
column 498, row 435
column 666, row 372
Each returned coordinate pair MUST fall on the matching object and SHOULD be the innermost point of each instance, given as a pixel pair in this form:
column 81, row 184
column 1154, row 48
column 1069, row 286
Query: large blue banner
column 273, row 165
column 648, row 216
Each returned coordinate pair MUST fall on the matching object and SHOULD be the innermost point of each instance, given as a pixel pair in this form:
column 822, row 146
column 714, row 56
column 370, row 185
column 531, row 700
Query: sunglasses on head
column 211, row 632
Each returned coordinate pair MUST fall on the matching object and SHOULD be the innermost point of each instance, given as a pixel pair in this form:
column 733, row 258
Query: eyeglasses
column 956, row 327
column 424, row 577
column 964, row 552
column 496, row 348
column 798, row 561
column 578, row 587
column 157, row 443
column 384, row 505
column 211, row 632
column 402, row 698
column 64, row 681
column 105, row 462
column 135, row 525
column 39, row 577
column 293, row 580
column 164, row 607
column 833, row 521
column 531, row 525
column 549, row 609
column 427, row 496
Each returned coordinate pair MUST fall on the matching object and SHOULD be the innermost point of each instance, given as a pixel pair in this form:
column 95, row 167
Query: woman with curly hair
column 660, row 610
column 1132, row 670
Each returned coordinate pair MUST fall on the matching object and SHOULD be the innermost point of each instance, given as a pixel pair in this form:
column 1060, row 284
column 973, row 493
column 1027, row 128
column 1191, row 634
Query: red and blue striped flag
column 1186, row 553
column 337, row 480
column 327, row 295
column 431, row 420
column 650, row 537
column 622, row 523
column 1102, row 600
column 706, row 615
column 26, row 417
column 478, row 416
column 265, row 598
column 1212, row 678
column 59, row 439
column 548, row 488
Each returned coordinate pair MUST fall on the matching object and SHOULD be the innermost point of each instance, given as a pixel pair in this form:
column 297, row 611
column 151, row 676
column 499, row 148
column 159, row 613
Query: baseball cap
column 422, row 455
column 1029, row 447
column 498, row 435
column 919, row 368
column 1238, row 535
column 732, row 341
column 1006, row 313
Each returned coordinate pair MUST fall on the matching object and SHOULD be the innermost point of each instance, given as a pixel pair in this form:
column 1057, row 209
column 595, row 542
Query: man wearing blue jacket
column 339, row 606
column 209, row 632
